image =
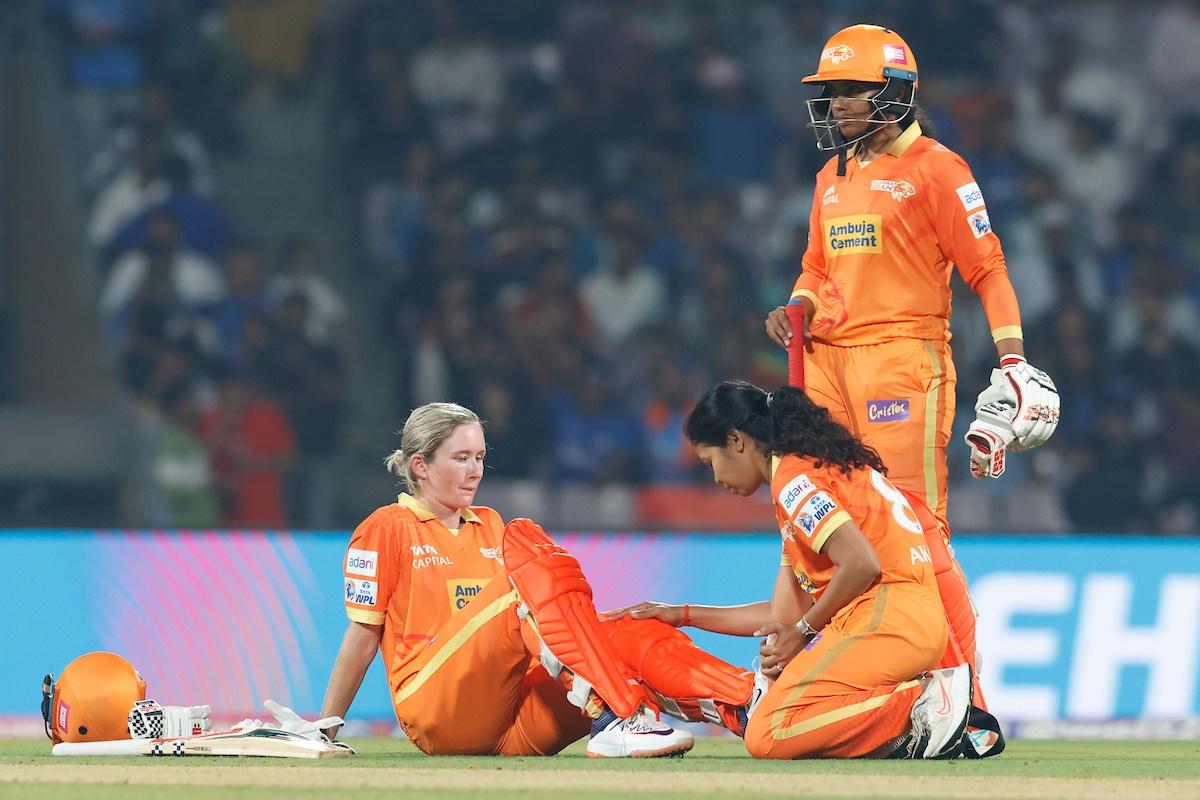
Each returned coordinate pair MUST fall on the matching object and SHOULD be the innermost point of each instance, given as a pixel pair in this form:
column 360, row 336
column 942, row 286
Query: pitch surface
column 717, row 768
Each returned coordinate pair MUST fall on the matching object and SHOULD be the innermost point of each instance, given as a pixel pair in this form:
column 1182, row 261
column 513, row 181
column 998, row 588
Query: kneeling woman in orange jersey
column 488, row 633
column 855, row 622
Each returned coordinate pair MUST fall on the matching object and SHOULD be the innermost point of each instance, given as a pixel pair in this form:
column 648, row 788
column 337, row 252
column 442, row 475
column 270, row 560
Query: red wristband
column 687, row 615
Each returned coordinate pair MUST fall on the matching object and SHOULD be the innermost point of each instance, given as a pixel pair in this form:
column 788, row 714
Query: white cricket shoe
column 761, row 684
column 939, row 717
column 639, row 736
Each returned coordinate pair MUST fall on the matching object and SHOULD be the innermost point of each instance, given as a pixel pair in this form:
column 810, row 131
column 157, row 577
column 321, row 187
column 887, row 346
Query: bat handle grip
column 795, row 314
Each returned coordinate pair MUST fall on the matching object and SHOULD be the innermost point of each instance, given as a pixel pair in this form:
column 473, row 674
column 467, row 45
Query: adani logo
column 361, row 562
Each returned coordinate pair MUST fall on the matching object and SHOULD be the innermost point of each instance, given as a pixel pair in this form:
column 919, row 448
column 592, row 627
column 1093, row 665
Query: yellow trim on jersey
column 423, row 513
column 775, row 462
column 897, row 148
column 905, row 140
column 366, row 617
column 778, row 731
column 932, row 400
column 809, row 293
column 828, row 527
column 786, row 561
column 1008, row 332
column 452, row 645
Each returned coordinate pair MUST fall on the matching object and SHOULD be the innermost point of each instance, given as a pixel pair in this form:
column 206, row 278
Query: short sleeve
column 808, row 501
column 370, row 570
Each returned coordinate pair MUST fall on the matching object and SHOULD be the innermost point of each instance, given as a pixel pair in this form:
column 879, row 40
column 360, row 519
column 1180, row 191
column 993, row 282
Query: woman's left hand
column 672, row 615
column 781, row 643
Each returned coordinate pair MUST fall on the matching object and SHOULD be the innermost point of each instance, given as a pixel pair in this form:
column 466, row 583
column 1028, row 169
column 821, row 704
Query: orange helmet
column 865, row 53
column 92, row 699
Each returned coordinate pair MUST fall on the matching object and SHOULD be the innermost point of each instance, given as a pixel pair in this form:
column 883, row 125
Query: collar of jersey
column 423, row 514
column 904, row 141
column 775, row 462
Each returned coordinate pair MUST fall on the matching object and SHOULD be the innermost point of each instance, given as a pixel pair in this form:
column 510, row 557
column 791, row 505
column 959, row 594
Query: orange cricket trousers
column 477, row 690
column 851, row 691
column 898, row 397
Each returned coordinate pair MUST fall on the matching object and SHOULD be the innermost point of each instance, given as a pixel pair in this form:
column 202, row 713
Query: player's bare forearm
column 857, row 569
column 789, row 602
column 1006, row 347
column 732, row 620
column 358, row 649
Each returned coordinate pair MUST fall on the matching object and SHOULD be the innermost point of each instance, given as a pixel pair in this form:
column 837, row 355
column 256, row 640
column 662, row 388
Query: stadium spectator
column 298, row 273
column 177, row 276
column 252, row 447
column 307, row 381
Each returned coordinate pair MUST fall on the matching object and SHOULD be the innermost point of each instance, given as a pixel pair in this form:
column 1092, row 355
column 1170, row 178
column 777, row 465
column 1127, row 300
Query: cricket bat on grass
column 252, row 740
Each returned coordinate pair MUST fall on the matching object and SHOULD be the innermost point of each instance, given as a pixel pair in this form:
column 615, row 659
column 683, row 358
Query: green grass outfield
column 717, row 768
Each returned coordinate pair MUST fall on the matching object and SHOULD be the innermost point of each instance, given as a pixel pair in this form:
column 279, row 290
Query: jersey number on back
column 905, row 517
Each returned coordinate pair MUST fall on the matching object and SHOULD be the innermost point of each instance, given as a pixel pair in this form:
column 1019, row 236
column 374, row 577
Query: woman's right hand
column 779, row 328
column 672, row 615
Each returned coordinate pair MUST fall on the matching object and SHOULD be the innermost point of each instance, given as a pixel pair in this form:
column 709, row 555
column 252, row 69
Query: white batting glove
column 1036, row 399
column 149, row 720
column 292, row 722
column 992, row 432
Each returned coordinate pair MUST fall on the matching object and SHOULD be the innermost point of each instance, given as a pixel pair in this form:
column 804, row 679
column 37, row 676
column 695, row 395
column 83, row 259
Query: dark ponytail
column 784, row 422
column 801, row 427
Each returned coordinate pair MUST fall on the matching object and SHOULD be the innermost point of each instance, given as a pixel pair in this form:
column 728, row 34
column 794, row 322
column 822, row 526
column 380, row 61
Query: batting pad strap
column 552, row 587
column 672, row 665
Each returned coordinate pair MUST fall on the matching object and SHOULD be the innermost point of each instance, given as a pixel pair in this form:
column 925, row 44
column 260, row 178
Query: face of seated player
column 451, row 477
column 737, row 466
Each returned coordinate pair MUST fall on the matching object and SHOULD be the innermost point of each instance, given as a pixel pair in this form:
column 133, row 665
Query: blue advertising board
column 1069, row 628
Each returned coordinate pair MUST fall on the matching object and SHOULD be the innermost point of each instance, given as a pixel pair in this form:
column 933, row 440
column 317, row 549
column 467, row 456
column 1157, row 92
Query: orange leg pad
column 553, row 588
column 952, row 586
column 690, row 683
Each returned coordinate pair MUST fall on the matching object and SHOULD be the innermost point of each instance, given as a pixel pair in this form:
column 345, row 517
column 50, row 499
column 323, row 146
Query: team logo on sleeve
column 899, row 190
column 980, row 224
column 862, row 233
column 970, row 196
column 360, row 593
column 796, row 490
column 361, row 562
column 815, row 509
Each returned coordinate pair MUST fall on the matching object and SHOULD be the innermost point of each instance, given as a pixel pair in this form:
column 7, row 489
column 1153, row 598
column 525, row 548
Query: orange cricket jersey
column 406, row 571
column 811, row 502
column 882, row 241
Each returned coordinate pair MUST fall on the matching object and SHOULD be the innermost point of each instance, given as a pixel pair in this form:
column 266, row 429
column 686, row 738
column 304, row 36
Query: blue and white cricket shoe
column 640, row 736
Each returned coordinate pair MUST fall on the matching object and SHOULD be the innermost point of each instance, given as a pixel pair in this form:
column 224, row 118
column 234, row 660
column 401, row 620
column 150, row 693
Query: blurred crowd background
column 242, row 239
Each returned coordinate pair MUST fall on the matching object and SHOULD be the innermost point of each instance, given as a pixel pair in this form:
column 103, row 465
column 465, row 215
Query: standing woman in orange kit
column 893, row 212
